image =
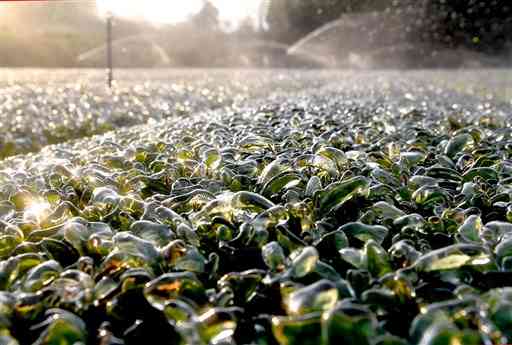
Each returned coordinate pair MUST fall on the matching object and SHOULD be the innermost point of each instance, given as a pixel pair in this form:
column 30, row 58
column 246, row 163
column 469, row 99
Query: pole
column 109, row 50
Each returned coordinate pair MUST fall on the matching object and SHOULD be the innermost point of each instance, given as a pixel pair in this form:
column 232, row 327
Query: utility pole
column 109, row 50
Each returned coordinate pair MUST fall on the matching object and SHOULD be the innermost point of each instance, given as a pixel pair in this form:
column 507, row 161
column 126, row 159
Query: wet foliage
column 37, row 110
column 370, row 211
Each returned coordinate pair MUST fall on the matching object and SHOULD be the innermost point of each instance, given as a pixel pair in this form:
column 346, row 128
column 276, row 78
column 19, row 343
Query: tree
column 207, row 18
column 246, row 29
column 277, row 20
column 480, row 25
column 288, row 20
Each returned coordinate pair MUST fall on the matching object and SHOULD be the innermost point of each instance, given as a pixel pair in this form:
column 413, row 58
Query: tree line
column 56, row 34
column 475, row 24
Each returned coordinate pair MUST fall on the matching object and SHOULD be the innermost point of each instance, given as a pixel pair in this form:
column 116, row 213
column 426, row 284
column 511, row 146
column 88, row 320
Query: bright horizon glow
column 231, row 12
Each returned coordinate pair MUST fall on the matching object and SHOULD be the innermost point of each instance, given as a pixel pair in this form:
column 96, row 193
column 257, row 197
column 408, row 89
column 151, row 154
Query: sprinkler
column 110, row 66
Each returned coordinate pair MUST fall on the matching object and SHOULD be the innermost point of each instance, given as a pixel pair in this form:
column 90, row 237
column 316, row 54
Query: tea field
column 256, row 207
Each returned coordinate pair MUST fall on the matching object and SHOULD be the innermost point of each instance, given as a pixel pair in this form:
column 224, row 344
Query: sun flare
column 151, row 10
column 37, row 211
column 175, row 11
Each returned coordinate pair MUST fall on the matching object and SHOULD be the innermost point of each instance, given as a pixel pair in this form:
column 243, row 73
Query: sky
column 175, row 11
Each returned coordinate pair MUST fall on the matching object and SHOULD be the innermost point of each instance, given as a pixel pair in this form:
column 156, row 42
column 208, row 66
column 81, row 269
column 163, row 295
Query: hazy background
column 275, row 33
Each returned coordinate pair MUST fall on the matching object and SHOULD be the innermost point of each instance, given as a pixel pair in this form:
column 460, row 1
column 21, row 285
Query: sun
column 175, row 11
column 158, row 11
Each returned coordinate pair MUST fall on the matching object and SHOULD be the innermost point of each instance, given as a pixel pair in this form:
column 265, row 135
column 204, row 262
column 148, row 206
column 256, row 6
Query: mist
column 341, row 34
